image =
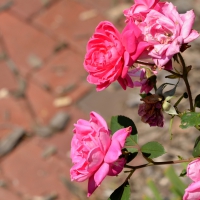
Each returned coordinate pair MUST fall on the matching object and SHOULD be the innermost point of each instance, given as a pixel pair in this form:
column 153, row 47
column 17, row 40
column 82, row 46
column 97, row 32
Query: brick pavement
column 42, row 46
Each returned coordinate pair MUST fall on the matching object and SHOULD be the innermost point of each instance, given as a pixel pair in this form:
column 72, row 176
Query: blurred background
column 43, row 92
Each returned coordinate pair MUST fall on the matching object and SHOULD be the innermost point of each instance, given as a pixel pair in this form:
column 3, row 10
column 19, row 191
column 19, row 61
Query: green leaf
column 177, row 184
column 132, row 154
column 121, row 193
column 152, row 150
column 190, row 119
column 131, row 140
column 183, row 173
column 119, row 122
column 154, row 189
column 197, row 101
column 114, row 125
column 196, row 149
column 132, row 150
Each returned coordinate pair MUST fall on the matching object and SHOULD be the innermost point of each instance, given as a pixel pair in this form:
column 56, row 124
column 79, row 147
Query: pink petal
column 117, row 167
column 140, row 49
column 118, row 141
column 188, row 21
column 95, row 158
column 124, row 82
column 193, row 35
column 129, row 41
column 193, row 170
column 95, row 117
column 192, row 192
column 97, row 178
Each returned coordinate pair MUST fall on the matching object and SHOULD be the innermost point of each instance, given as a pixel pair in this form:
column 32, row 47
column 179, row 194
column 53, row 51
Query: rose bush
column 94, row 153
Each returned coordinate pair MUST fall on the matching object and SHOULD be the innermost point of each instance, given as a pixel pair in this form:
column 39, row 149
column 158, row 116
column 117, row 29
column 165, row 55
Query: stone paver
column 24, row 43
column 26, row 9
column 33, row 175
column 41, row 102
column 67, row 23
column 64, row 69
column 62, row 140
column 6, row 194
column 13, row 112
column 7, row 80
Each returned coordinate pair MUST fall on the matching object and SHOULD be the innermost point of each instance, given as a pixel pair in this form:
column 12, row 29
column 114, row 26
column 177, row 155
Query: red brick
column 33, row 175
column 5, row 194
column 14, row 112
column 64, row 69
column 7, row 79
column 63, row 20
column 26, row 8
column 4, row 3
column 22, row 41
column 41, row 102
column 82, row 89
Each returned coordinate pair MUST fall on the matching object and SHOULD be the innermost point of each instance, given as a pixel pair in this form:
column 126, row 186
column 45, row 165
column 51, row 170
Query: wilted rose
column 151, row 111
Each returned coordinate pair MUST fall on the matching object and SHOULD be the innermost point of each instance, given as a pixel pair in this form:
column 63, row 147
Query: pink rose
column 104, row 59
column 193, row 170
column 138, row 11
column 95, row 153
column 151, row 111
column 110, row 54
column 134, row 47
column 167, row 30
column 192, row 192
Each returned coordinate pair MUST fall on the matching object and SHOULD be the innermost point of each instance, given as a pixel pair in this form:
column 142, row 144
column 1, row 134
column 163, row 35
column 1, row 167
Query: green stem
column 159, row 163
column 185, row 78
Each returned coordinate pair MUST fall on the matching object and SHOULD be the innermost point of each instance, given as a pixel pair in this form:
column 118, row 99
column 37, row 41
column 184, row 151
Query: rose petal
column 118, row 141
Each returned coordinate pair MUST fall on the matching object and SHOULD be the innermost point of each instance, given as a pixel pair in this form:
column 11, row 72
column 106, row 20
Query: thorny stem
column 158, row 163
column 185, row 78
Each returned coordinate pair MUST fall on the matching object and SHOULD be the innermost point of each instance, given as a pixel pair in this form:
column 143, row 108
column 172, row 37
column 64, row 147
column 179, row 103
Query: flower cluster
column 154, row 32
column 193, row 172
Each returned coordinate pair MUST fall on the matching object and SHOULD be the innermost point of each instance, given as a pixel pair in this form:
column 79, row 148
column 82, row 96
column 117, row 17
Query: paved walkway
column 42, row 46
